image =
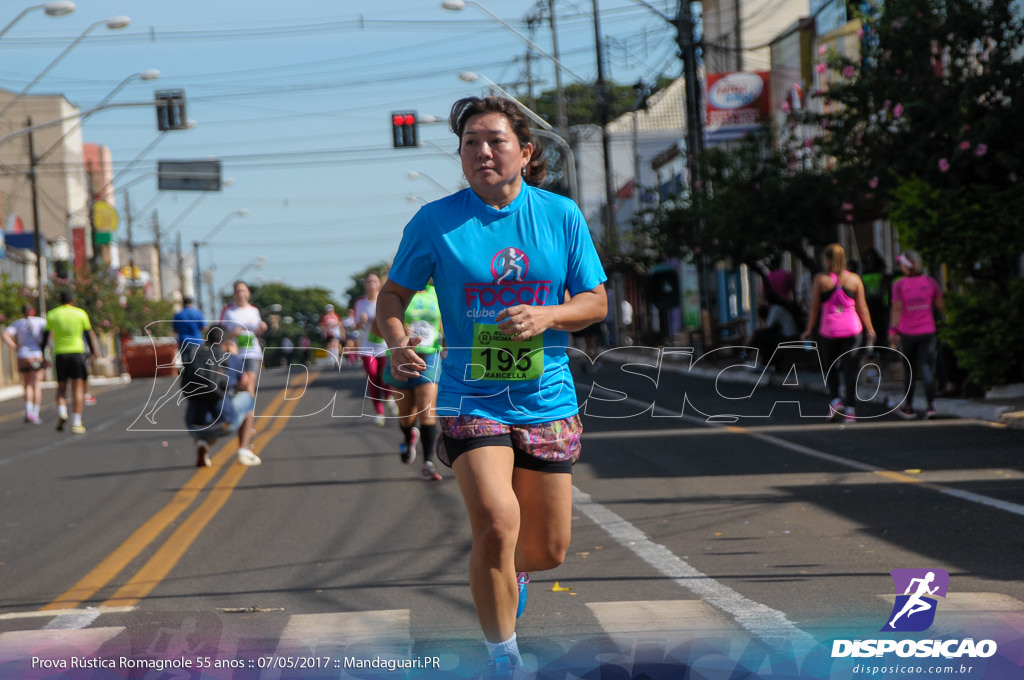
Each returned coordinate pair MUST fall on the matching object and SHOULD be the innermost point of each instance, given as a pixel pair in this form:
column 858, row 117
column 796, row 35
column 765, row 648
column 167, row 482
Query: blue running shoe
column 522, row 578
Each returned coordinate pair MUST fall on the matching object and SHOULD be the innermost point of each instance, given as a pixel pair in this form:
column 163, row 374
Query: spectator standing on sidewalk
column 70, row 328
column 915, row 296
column 509, row 417
column 837, row 301
column 26, row 337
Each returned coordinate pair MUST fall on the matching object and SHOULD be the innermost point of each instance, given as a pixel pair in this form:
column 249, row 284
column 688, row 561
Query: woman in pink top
column 912, row 328
column 837, row 300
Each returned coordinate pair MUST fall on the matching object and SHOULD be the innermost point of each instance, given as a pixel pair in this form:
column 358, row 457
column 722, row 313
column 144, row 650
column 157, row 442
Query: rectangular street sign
column 188, row 175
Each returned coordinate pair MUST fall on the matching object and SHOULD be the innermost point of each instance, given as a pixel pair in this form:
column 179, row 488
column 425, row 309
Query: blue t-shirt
column 484, row 260
column 188, row 325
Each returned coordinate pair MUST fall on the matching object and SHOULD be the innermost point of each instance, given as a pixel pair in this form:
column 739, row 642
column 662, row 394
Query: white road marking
column 762, row 621
column 769, row 625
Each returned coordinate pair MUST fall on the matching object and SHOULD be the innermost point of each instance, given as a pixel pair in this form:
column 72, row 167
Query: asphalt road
column 776, row 528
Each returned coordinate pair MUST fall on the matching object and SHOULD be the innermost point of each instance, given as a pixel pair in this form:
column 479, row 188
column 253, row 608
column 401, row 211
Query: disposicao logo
column 914, row 611
column 915, row 608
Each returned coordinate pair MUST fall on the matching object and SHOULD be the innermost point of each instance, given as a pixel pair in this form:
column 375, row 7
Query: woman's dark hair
column 464, row 109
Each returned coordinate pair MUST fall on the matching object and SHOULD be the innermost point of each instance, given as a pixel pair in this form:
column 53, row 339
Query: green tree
column 12, row 297
column 754, row 204
column 581, row 102
column 293, row 311
column 112, row 306
column 926, row 126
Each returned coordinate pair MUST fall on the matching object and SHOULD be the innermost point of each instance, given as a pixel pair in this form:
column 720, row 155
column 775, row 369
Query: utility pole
column 159, row 258
column 181, row 267
column 694, row 125
column 37, row 241
column 738, row 30
column 560, row 113
column 531, row 25
column 198, row 278
column 694, row 119
column 611, row 235
column 611, row 229
column 131, row 246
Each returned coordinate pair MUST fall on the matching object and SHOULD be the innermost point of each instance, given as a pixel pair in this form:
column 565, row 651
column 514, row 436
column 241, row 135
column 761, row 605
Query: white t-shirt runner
column 246, row 321
column 28, row 334
column 368, row 340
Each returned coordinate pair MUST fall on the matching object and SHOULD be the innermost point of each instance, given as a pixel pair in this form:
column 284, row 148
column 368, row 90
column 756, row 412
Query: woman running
column 509, row 415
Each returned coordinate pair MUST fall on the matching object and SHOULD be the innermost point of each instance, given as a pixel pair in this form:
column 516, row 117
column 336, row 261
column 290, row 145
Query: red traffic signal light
column 404, row 129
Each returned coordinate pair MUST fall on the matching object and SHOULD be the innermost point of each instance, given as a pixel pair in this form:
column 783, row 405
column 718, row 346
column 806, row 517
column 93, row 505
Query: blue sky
column 294, row 98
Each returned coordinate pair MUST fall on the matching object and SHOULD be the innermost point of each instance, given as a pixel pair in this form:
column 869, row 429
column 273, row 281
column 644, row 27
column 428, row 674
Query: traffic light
column 403, row 129
column 170, row 110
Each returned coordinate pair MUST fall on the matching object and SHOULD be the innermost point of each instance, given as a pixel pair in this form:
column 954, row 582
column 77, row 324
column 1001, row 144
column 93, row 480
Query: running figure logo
column 509, row 265
column 914, row 610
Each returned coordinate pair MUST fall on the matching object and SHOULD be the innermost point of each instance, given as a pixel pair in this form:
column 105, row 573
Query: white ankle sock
column 509, row 647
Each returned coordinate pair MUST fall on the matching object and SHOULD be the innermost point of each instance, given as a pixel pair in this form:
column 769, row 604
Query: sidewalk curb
column 1012, row 419
column 16, row 391
column 890, row 396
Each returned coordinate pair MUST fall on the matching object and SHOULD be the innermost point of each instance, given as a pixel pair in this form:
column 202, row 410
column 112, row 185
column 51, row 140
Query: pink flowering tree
column 929, row 133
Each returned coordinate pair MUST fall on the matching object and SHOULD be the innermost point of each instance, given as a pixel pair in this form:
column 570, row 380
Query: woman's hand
column 524, row 321
column 406, row 363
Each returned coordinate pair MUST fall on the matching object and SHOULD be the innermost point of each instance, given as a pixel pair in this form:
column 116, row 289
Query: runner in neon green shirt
column 419, row 395
column 69, row 326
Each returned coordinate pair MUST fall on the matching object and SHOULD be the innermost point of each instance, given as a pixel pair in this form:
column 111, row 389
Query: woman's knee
column 497, row 531
column 543, row 555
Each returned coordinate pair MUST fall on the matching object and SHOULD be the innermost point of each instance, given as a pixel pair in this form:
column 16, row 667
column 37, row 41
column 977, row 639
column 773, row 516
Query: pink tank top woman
column 839, row 317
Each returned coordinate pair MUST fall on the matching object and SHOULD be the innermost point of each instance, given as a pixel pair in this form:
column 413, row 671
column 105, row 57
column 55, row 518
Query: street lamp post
column 456, row 5
column 257, row 264
column 149, row 74
column 415, row 174
column 546, row 133
column 113, row 23
column 52, row 9
column 57, row 121
column 195, row 250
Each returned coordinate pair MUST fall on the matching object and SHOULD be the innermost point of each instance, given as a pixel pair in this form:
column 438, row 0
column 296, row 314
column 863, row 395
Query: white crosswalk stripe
column 55, row 644
column 635, row 627
column 975, row 612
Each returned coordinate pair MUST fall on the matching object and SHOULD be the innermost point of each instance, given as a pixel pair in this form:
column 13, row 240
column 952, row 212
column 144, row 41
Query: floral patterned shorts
column 549, row 447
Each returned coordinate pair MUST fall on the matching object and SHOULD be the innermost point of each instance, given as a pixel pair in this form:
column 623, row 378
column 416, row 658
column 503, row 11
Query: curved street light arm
column 465, row 75
column 458, row 5
column 113, row 23
column 570, row 161
column 58, row 121
column 53, row 9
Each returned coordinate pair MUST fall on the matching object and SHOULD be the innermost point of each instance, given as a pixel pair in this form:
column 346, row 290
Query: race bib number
column 246, row 340
column 496, row 356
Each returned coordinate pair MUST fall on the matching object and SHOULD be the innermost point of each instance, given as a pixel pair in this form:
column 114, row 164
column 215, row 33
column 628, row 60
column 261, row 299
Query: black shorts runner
column 71, row 367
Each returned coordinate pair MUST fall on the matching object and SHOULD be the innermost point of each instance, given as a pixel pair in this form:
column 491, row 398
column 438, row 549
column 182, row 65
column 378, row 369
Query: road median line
column 174, row 548
column 145, row 535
